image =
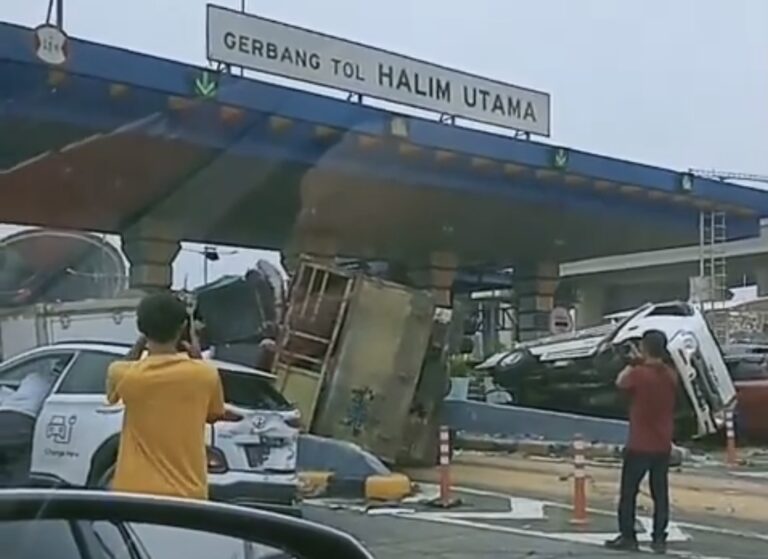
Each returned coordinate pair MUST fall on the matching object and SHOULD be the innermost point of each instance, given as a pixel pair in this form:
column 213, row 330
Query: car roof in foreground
column 121, row 349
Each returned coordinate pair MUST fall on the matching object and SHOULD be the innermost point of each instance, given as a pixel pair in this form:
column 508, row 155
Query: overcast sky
column 677, row 83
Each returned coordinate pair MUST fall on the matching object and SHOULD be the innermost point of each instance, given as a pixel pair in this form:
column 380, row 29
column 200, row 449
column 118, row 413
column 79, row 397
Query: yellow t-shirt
column 168, row 401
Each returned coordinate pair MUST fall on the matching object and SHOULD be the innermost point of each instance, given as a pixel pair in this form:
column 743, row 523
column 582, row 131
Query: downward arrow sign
column 205, row 86
column 561, row 158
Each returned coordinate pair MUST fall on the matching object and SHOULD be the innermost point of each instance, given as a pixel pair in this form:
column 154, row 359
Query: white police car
column 251, row 460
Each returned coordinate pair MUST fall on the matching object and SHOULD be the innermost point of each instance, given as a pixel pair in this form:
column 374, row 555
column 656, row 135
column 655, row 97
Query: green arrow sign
column 206, row 86
column 560, row 160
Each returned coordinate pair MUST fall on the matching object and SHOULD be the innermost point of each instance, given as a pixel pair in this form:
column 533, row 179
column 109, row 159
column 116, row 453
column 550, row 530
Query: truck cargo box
column 350, row 355
column 109, row 320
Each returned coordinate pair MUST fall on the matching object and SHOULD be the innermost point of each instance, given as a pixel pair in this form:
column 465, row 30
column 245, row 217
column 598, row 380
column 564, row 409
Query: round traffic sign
column 560, row 321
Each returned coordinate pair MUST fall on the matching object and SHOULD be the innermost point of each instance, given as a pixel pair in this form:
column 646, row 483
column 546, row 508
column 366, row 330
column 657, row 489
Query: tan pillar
column 150, row 248
column 437, row 276
column 535, row 285
column 319, row 248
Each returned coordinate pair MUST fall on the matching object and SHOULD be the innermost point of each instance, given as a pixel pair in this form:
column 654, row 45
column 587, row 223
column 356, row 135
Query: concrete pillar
column 590, row 306
column 761, row 279
column 535, row 285
column 320, row 248
column 151, row 249
column 437, row 276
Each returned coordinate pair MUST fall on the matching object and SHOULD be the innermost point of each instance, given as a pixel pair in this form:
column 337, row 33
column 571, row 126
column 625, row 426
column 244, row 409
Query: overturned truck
column 575, row 372
column 363, row 360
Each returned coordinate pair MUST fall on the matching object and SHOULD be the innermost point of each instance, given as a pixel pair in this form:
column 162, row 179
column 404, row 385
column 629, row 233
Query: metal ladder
column 712, row 267
column 300, row 374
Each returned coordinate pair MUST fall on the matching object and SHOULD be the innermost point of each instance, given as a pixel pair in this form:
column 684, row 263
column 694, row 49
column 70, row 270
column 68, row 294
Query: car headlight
column 719, row 418
column 690, row 344
column 513, row 359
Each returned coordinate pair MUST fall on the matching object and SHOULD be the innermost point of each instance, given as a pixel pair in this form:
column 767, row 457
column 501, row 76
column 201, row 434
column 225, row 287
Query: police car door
column 75, row 420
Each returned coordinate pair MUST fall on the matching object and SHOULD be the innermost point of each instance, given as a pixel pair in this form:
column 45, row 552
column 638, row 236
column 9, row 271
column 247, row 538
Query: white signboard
column 51, row 44
column 560, row 321
column 276, row 48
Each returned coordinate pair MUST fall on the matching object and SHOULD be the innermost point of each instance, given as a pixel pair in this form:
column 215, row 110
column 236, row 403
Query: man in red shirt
column 651, row 385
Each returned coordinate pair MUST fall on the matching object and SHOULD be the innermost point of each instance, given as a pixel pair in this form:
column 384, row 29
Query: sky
column 681, row 84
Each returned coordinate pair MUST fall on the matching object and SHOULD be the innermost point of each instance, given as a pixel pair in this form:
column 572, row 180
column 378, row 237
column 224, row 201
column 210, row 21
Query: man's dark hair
column 655, row 343
column 160, row 317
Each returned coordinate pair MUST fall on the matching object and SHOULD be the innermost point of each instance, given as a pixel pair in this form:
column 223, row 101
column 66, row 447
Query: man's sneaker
column 622, row 543
column 659, row 547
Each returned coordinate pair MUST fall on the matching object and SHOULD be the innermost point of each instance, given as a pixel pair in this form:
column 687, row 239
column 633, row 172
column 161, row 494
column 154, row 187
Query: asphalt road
column 390, row 537
column 496, row 525
column 486, row 524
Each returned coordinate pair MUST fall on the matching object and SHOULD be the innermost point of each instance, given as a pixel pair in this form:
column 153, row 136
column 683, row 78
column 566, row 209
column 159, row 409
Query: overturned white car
column 575, row 372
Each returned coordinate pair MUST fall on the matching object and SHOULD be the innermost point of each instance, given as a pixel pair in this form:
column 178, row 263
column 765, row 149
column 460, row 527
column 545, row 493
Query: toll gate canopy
column 111, row 139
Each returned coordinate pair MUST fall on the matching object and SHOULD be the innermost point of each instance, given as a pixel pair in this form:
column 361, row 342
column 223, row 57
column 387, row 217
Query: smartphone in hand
column 186, row 337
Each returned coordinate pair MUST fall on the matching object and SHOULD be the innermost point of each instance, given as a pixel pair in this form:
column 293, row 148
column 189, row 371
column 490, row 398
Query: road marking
column 391, row 511
column 753, row 475
column 520, row 508
column 570, row 537
column 533, row 509
column 681, row 524
column 674, row 533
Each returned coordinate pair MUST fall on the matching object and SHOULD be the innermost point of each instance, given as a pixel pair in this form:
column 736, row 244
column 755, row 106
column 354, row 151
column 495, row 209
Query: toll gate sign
column 264, row 45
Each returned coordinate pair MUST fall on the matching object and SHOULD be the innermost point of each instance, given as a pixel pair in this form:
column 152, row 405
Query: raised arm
column 136, row 351
column 114, row 376
column 624, row 380
column 216, row 409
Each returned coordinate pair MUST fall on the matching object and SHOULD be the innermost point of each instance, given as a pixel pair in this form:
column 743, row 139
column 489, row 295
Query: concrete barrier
column 343, row 458
column 559, row 449
column 330, row 468
column 389, row 487
column 526, row 423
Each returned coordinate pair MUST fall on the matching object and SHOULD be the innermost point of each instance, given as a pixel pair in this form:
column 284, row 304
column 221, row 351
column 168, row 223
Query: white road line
column 390, row 511
column 674, row 533
column 576, row 537
column 520, row 508
column 753, row 475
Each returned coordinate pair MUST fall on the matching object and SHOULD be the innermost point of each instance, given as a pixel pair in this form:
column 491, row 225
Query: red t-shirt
column 652, row 391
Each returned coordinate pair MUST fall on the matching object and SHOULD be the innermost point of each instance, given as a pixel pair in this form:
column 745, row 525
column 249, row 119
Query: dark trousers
column 16, row 432
column 636, row 465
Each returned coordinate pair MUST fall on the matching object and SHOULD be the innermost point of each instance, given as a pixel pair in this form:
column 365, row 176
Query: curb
column 390, row 487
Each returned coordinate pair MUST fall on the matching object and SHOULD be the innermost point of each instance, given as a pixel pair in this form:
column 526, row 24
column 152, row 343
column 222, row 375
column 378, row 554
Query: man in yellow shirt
column 169, row 397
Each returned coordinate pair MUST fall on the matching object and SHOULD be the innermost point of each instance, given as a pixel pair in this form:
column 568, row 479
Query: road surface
column 490, row 524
